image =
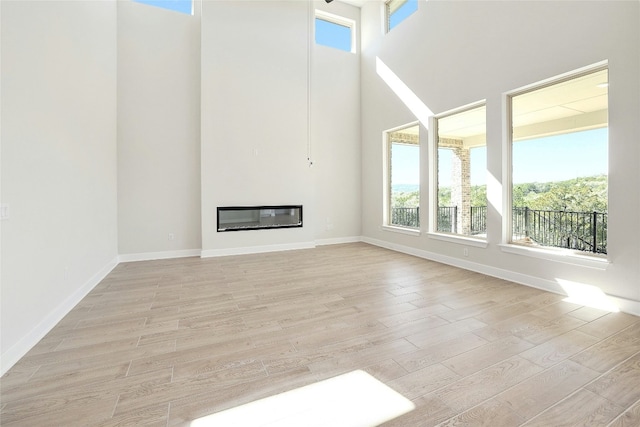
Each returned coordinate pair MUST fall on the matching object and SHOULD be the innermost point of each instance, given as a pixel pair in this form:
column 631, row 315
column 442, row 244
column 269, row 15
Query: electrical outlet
column 4, row 211
column 172, row 236
column 465, row 251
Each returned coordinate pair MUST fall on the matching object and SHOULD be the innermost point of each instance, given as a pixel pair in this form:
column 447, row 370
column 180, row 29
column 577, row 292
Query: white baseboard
column 209, row 253
column 338, row 240
column 26, row 343
column 624, row 304
column 150, row 256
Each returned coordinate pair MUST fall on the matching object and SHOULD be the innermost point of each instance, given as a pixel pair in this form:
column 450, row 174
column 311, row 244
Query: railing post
column 526, row 221
column 594, row 230
column 455, row 219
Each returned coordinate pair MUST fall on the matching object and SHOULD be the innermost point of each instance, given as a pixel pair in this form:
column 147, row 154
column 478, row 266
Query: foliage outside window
column 559, row 158
column 461, row 206
column 403, row 166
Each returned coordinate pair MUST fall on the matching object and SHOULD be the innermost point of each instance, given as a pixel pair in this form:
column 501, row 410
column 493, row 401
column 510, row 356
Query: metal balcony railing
column 582, row 231
column 405, row 217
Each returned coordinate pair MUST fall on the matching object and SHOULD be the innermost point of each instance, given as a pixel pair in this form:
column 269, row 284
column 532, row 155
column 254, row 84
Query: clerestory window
column 397, row 11
column 335, row 31
column 182, row 6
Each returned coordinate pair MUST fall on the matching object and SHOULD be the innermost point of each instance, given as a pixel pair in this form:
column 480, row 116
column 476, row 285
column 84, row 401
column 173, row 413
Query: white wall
column 58, row 162
column 335, row 134
column 254, row 126
column 454, row 53
column 158, row 131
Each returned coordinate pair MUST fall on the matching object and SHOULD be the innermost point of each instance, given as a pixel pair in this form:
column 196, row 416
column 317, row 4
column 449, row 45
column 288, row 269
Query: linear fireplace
column 238, row 218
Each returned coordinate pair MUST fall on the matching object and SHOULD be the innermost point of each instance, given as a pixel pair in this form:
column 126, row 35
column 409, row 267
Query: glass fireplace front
column 237, row 218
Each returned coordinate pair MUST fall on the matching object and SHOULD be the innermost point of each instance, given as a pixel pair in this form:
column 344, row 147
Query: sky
column 554, row 158
column 183, row 6
column 405, row 10
column 333, row 35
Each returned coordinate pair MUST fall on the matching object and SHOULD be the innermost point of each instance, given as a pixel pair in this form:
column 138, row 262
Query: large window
column 335, row 31
column 559, row 147
column 403, row 177
column 398, row 10
column 461, row 205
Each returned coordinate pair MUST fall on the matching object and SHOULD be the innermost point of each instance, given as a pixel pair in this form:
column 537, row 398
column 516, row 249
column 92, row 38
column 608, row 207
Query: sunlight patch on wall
column 587, row 295
column 494, row 193
column 352, row 399
column 406, row 95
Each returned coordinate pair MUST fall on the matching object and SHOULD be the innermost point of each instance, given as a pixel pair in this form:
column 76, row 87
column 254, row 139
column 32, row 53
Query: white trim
column 151, row 256
column 432, row 172
column 338, row 240
column 459, row 239
column 26, row 343
column 402, row 230
column 559, row 255
column 626, row 305
column 245, row 250
column 507, row 173
column 462, row 109
column 569, row 75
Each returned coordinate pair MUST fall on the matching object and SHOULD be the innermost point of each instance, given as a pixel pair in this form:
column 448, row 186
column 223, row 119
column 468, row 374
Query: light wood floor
column 165, row 342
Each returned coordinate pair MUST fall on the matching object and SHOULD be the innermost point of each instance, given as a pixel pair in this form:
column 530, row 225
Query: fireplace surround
column 240, row 218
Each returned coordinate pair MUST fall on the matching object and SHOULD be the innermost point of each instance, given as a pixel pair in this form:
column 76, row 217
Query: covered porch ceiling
column 573, row 105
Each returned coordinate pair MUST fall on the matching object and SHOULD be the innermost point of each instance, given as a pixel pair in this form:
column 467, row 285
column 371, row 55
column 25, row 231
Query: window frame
column 564, row 255
column 337, row 20
column 387, row 191
column 432, row 231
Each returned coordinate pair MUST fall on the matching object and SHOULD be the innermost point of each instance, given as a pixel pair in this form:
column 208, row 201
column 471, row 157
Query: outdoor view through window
column 403, row 153
column 462, row 165
column 560, row 164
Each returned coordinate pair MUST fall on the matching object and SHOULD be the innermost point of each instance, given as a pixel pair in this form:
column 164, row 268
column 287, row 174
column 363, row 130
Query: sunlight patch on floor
column 349, row 400
column 587, row 295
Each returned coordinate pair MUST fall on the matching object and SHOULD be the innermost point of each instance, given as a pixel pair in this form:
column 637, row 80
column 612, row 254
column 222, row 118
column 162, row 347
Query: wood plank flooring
column 162, row 343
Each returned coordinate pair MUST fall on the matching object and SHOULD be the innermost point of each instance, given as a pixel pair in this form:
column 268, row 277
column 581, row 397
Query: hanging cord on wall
column 309, row 27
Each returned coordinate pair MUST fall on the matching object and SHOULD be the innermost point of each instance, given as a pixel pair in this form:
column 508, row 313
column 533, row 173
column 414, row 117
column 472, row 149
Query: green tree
column 585, row 194
column 402, row 199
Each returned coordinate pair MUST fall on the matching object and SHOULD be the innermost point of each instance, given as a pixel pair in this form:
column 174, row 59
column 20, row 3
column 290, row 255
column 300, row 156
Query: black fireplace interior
column 238, row 218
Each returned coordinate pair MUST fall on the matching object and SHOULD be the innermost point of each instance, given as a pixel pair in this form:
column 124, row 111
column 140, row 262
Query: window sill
column 558, row 255
column 402, row 230
column 459, row 239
